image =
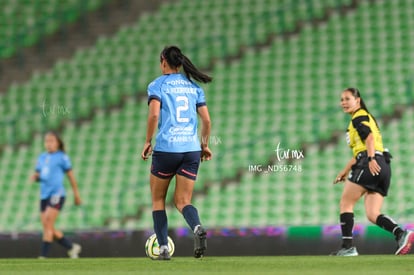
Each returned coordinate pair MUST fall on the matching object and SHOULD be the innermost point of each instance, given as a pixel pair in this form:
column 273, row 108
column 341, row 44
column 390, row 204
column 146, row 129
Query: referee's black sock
column 347, row 225
column 388, row 224
column 160, row 226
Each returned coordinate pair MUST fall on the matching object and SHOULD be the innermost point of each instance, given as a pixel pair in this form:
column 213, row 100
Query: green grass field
column 215, row 265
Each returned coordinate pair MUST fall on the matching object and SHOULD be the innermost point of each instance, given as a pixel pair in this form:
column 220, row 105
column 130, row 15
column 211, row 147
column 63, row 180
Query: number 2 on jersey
column 182, row 108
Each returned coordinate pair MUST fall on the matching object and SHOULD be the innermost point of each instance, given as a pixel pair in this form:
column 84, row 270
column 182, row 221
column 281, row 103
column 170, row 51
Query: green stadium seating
column 23, row 23
column 126, row 61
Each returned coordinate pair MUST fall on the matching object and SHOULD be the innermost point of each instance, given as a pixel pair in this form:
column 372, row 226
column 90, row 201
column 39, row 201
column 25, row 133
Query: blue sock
column 160, row 226
column 190, row 214
column 45, row 248
column 65, row 243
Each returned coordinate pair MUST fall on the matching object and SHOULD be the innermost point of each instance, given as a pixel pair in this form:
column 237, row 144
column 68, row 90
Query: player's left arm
column 206, row 153
column 74, row 185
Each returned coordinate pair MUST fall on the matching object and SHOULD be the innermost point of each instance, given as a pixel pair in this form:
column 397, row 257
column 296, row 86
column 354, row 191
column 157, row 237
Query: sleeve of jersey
column 201, row 99
column 66, row 164
column 361, row 124
column 154, row 92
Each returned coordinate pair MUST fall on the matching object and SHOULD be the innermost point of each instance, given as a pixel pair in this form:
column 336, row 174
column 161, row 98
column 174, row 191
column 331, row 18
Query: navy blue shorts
column 53, row 201
column 166, row 165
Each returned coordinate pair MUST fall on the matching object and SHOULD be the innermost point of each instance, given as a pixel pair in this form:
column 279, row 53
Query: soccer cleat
column 405, row 243
column 41, row 257
column 164, row 255
column 74, row 251
column 200, row 241
column 352, row 251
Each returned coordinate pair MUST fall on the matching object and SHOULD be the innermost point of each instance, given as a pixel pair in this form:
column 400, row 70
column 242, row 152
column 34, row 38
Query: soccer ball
column 152, row 248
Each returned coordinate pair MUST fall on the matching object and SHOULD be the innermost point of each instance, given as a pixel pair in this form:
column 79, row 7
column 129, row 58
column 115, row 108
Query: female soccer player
column 50, row 169
column 369, row 176
column 174, row 101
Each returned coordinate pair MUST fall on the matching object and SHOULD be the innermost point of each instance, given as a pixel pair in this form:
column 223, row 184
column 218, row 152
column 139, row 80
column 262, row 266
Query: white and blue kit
column 177, row 125
column 52, row 168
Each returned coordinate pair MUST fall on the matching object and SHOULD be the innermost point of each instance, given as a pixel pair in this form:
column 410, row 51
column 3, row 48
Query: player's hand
column 206, row 154
column 374, row 167
column 78, row 200
column 34, row 177
column 340, row 177
column 146, row 151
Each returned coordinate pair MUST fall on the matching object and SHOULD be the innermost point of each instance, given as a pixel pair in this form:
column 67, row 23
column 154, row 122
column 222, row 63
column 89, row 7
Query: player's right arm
column 206, row 153
column 152, row 122
column 154, row 106
column 35, row 176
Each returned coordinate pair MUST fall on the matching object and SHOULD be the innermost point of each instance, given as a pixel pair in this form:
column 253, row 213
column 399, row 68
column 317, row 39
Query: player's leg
column 73, row 249
column 186, row 176
column 351, row 193
column 57, row 203
column 163, row 169
column 373, row 204
column 159, row 188
column 48, row 218
column 182, row 199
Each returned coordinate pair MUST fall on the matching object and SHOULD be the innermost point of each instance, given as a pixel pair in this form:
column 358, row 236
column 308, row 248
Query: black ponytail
column 355, row 92
column 175, row 58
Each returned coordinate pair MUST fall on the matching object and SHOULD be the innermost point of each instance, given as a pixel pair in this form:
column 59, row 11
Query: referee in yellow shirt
column 366, row 175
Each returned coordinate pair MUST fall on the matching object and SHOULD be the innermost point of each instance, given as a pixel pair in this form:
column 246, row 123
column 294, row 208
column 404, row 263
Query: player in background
column 174, row 101
column 369, row 176
column 51, row 167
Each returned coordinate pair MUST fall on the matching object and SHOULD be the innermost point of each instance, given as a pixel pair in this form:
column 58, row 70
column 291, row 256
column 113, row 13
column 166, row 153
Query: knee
column 180, row 203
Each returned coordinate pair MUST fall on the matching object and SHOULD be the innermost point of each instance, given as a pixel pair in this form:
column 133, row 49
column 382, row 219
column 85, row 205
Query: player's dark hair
column 61, row 145
column 355, row 92
column 175, row 58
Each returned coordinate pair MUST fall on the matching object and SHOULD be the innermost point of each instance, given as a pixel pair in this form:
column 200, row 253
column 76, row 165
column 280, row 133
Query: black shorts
column 166, row 165
column 361, row 175
column 53, row 201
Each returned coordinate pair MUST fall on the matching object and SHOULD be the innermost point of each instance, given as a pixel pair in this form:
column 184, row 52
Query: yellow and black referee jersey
column 361, row 125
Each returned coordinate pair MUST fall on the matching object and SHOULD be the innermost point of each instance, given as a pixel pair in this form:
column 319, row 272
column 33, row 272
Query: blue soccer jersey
column 52, row 168
column 177, row 125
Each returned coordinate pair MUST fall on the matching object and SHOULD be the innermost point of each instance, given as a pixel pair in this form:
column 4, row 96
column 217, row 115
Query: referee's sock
column 45, row 248
column 390, row 225
column 160, row 226
column 190, row 214
column 347, row 225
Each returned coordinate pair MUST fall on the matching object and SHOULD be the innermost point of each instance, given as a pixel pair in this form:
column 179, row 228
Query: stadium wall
column 267, row 241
